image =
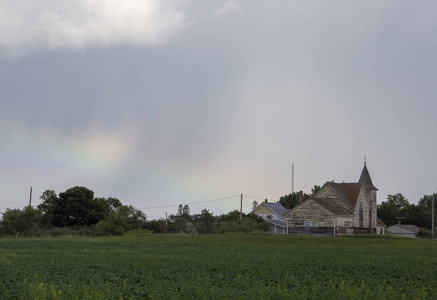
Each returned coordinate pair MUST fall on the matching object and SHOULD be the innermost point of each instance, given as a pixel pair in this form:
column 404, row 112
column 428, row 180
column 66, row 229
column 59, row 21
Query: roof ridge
column 337, row 206
column 365, row 178
column 339, row 191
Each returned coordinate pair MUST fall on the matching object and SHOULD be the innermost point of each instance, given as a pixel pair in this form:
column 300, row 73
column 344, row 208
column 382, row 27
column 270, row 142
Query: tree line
column 77, row 212
column 397, row 209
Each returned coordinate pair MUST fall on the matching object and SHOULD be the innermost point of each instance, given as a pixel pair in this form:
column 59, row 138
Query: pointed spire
column 366, row 180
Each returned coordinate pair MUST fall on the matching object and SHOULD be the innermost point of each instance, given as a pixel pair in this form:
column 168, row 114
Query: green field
column 218, row 267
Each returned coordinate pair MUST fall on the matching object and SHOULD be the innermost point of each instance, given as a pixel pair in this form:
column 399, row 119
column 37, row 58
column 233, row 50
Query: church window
column 361, row 215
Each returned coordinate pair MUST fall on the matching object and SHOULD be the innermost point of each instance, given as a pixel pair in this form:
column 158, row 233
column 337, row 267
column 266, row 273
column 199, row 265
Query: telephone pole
column 166, row 225
column 241, row 207
column 30, row 198
column 432, row 226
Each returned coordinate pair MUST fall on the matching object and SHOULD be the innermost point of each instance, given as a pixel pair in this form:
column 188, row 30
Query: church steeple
column 365, row 178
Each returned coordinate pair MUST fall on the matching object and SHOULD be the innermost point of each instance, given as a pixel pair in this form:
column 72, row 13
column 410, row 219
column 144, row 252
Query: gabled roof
column 379, row 222
column 332, row 206
column 276, row 222
column 277, row 208
column 348, row 192
column 412, row 228
column 366, row 180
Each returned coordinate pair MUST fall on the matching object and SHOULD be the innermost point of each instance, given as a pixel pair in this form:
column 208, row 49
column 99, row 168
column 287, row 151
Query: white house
column 410, row 231
column 273, row 213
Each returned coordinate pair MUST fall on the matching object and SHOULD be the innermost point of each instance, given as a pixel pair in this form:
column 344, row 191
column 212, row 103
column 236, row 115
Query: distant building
column 338, row 208
column 410, row 231
column 380, row 226
column 273, row 213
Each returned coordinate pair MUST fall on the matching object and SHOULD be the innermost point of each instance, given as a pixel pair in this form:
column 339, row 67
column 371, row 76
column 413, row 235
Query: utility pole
column 292, row 178
column 166, row 226
column 30, row 198
column 241, row 207
column 433, row 231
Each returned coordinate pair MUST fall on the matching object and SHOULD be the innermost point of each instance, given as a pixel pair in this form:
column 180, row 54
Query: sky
column 167, row 102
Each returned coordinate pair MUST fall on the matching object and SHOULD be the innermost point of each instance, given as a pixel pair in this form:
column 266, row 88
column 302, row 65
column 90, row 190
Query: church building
column 338, row 209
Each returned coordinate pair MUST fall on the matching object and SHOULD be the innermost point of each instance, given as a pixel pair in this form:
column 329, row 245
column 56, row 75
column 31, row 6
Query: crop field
column 218, row 267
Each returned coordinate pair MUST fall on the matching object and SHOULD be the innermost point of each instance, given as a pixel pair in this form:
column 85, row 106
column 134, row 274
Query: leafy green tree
column 49, row 206
column 291, row 200
column 255, row 204
column 186, row 212
column 315, row 189
column 421, row 214
column 180, row 212
column 157, row 226
column 231, row 216
column 121, row 220
column 397, row 201
column 387, row 213
column 205, row 223
column 394, row 210
column 231, row 222
column 24, row 222
column 75, row 207
column 426, row 201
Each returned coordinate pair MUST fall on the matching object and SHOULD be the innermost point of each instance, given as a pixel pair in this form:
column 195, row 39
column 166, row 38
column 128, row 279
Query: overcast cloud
column 80, row 24
column 167, row 102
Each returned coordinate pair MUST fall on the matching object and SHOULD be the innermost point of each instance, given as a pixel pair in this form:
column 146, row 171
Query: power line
column 254, row 197
column 191, row 203
column 261, row 198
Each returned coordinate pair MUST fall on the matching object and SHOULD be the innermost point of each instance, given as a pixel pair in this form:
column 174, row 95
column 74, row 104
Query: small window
column 269, row 217
column 347, row 223
column 311, row 223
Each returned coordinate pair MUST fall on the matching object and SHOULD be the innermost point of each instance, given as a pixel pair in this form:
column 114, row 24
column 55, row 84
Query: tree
column 315, row 189
column 397, row 201
column 75, row 207
column 291, row 200
column 394, row 210
column 122, row 219
column 254, row 204
column 24, row 221
column 180, row 212
column 76, row 203
column 49, row 206
column 387, row 214
column 157, row 226
column 205, row 223
column 186, row 212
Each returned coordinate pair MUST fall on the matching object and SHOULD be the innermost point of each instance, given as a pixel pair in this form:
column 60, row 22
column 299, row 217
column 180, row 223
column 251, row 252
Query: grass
column 258, row 266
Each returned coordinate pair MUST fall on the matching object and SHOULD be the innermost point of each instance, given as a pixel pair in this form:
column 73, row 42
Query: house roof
column 332, row 206
column 348, row 192
column 379, row 222
column 275, row 222
column 366, row 180
column 412, row 228
column 277, row 208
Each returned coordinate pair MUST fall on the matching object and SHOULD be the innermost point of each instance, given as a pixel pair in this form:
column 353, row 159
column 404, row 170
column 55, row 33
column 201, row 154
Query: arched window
column 361, row 216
